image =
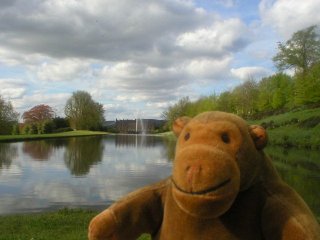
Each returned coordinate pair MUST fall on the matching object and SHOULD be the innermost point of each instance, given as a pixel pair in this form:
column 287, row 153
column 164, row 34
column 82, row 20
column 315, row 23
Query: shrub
column 15, row 130
column 48, row 127
column 310, row 122
column 60, row 130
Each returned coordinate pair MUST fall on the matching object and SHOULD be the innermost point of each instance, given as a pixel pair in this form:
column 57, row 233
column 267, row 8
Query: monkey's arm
column 139, row 212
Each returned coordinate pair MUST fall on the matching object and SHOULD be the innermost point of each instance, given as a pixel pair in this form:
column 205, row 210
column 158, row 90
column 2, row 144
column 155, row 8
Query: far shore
column 23, row 137
column 76, row 133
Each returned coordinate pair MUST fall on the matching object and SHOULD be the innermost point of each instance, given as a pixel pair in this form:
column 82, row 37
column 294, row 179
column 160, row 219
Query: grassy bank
column 63, row 225
column 299, row 128
column 294, row 129
column 13, row 138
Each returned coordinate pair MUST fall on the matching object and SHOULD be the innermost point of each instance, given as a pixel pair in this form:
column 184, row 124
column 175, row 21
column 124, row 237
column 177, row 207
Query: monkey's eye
column 187, row 136
column 225, row 137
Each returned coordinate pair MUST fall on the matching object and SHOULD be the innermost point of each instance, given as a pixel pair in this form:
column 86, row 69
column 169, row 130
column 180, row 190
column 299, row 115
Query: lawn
column 22, row 137
column 65, row 224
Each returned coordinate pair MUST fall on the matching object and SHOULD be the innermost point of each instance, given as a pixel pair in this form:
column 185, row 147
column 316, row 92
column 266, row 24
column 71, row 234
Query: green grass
column 289, row 133
column 10, row 138
column 299, row 114
column 64, row 224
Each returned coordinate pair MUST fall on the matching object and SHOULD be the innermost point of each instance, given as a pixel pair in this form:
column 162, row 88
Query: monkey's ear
column 179, row 124
column 259, row 136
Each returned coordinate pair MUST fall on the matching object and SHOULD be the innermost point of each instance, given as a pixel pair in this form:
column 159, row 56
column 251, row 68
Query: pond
column 93, row 172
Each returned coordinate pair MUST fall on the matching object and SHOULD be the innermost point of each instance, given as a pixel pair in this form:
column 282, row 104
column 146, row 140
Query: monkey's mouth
column 205, row 191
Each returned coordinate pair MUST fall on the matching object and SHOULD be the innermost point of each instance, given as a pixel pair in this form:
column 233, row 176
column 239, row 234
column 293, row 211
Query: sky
column 138, row 57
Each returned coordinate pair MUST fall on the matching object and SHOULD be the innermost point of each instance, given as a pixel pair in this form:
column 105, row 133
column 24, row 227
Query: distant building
column 139, row 125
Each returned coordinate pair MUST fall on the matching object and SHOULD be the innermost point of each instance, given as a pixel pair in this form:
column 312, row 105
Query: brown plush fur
column 223, row 186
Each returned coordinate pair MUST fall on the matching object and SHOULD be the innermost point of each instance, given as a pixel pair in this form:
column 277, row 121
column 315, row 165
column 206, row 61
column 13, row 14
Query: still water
column 77, row 172
column 92, row 172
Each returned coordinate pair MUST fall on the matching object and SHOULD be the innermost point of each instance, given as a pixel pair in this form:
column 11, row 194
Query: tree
column 8, row 117
column 225, row 102
column 38, row 116
column 300, row 52
column 275, row 92
column 177, row 110
column 245, row 98
column 84, row 113
column 307, row 86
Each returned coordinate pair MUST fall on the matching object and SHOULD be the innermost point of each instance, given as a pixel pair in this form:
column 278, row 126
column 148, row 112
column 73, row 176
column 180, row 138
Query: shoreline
column 77, row 133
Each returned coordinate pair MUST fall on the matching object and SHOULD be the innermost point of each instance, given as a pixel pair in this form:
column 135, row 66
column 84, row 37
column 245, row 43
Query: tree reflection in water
column 7, row 153
column 83, row 152
column 38, row 150
column 43, row 149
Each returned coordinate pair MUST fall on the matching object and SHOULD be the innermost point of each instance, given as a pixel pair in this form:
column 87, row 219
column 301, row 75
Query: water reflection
column 82, row 153
column 43, row 149
column 38, row 150
column 136, row 140
column 169, row 148
column 301, row 170
column 110, row 167
column 7, row 153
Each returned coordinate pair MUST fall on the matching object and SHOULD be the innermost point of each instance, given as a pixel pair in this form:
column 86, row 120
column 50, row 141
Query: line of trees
column 82, row 113
column 8, row 117
column 277, row 93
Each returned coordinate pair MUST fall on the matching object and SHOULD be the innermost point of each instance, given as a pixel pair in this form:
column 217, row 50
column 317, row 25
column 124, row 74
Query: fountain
column 140, row 130
column 140, row 125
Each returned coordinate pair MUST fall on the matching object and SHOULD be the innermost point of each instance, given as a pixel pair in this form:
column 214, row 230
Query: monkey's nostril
column 193, row 169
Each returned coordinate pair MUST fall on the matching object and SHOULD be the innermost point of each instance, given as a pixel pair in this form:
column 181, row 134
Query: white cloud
column 94, row 29
column 208, row 68
column 141, row 80
column 63, row 70
column 221, row 38
column 141, row 54
column 12, row 88
column 245, row 73
column 289, row 16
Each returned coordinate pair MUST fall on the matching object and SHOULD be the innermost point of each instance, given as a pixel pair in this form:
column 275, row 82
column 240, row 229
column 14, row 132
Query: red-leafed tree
column 39, row 113
column 37, row 117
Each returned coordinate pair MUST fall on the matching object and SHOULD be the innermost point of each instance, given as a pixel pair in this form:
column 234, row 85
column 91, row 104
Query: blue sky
column 139, row 57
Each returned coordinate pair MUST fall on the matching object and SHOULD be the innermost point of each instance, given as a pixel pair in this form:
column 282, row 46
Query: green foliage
column 225, row 102
column 177, row 110
column 8, row 117
column 48, row 127
column 299, row 52
column 307, row 86
column 246, row 100
column 15, row 129
column 26, row 129
column 275, row 92
column 84, row 113
column 245, row 96
column 34, row 129
column 60, row 122
column 61, row 130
